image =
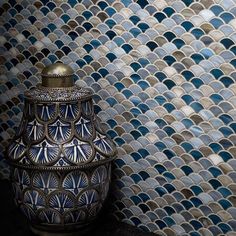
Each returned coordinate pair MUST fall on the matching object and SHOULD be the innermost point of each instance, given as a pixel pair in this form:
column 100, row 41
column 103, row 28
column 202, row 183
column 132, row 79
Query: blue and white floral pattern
column 49, row 216
column 98, row 157
column 43, row 153
column 16, row 149
column 28, row 212
column 75, row 216
column 78, row 151
column 75, row 181
column 21, row 177
column 59, row 131
column 46, row 181
column 84, row 129
column 88, row 197
column 87, row 108
column 104, row 145
column 62, row 162
column 99, row 175
column 69, row 111
column 34, row 199
column 30, row 110
column 52, row 197
column 46, row 112
column 61, row 134
column 94, row 210
column 34, row 130
column 61, row 201
column 20, row 128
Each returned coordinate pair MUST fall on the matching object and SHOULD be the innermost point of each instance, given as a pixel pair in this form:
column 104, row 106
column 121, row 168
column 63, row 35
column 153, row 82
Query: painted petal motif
column 46, row 181
column 34, row 199
column 59, row 131
column 43, row 153
column 49, row 216
column 84, row 129
column 46, row 112
column 21, row 177
column 104, row 145
column 30, row 110
column 20, row 129
column 88, row 197
column 75, row 216
column 87, row 107
column 94, row 210
column 98, row 157
column 78, row 151
column 75, row 181
column 24, row 160
column 27, row 211
column 17, row 192
column 98, row 126
column 34, row 130
column 62, row 162
column 16, row 149
column 99, row 175
column 69, row 111
column 61, row 201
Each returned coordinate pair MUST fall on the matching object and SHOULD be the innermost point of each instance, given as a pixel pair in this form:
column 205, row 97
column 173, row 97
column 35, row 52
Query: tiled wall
column 163, row 72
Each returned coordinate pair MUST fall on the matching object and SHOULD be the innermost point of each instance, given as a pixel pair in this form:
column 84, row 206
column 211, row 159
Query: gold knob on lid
column 57, row 75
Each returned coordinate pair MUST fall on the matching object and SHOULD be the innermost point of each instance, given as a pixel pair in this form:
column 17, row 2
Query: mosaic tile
column 163, row 74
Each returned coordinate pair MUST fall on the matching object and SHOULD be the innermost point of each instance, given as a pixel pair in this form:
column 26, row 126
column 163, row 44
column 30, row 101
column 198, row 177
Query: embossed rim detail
column 78, row 94
column 62, row 168
column 56, row 76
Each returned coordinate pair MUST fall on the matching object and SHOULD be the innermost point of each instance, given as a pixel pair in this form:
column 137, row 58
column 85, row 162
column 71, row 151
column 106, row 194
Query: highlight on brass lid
column 57, row 75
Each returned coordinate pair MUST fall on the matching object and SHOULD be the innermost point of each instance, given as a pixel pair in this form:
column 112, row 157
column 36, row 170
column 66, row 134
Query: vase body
column 60, row 158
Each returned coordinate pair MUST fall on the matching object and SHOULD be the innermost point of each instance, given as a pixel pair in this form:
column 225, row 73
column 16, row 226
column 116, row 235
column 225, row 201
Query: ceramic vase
column 60, row 157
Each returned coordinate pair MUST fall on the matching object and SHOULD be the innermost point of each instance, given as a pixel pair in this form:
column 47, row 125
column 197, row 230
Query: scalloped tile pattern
column 163, row 74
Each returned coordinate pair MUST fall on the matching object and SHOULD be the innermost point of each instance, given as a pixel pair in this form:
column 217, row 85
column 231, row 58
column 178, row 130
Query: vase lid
column 57, row 75
column 57, row 85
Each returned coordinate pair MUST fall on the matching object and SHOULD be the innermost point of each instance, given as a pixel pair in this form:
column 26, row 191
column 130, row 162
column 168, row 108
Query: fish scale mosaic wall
column 163, row 74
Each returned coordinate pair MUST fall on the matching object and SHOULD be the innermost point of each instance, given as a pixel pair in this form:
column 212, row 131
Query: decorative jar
column 60, row 157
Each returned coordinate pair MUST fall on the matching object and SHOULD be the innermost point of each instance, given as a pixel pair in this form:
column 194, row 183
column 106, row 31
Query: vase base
column 76, row 232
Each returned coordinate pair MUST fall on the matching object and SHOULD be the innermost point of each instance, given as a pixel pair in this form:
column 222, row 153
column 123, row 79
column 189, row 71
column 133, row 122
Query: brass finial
column 57, row 75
